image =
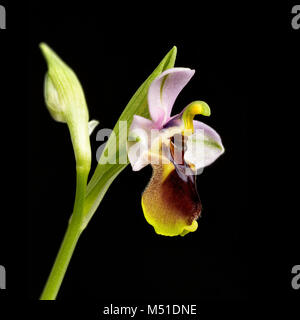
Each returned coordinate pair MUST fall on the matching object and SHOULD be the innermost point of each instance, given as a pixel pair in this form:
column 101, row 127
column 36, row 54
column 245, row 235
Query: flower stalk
column 70, row 240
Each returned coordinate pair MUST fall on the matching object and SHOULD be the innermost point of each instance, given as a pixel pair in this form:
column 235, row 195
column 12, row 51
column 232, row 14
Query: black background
column 237, row 253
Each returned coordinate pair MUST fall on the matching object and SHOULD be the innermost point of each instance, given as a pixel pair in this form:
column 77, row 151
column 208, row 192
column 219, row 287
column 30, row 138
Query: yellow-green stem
column 70, row 240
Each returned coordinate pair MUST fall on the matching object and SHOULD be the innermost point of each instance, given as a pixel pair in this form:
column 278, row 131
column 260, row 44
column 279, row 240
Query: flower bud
column 55, row 107
column 66, row 103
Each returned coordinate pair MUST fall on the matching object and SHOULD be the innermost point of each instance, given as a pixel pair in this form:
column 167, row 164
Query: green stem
column 70, row 239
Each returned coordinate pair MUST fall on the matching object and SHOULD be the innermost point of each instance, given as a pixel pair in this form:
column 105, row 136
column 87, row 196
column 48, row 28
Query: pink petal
column 163, row 92
column 205, row 148
column 208, row 131
column 138, row 150
column 140, row 122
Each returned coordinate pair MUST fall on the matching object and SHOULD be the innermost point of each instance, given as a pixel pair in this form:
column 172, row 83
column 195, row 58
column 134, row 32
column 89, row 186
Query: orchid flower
column 170, row 202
